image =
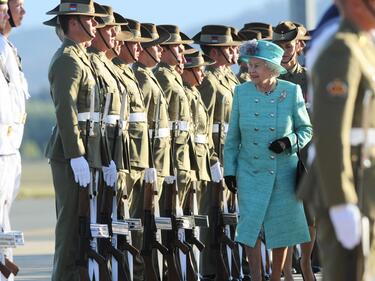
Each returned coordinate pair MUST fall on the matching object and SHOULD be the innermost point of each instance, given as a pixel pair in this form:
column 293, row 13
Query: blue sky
column 186, row 14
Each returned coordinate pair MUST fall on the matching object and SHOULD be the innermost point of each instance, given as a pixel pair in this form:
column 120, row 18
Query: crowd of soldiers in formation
column 142, row 117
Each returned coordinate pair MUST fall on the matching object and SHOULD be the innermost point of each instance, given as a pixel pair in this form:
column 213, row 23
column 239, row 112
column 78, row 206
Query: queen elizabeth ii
column 268, row 122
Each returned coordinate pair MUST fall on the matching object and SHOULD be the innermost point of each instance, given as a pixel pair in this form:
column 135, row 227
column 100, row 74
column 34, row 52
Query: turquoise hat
column 264, row 50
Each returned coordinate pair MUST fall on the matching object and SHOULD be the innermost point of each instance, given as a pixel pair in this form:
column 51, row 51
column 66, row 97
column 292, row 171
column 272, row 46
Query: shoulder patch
column 337, row 88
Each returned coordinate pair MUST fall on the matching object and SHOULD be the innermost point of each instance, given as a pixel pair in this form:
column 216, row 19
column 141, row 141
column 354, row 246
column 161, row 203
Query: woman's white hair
column 274, row 69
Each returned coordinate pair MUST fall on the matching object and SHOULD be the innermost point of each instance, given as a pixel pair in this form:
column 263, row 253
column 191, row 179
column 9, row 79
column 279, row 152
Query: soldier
column 288, row 36
column 339, row 185
column 216, row 42
column 155, row 99
column 179, row 110
column 138, row 130
column 104, row 40
column 73, row 83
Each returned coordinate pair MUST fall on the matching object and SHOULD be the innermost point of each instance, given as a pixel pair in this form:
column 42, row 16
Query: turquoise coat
column 265, row 179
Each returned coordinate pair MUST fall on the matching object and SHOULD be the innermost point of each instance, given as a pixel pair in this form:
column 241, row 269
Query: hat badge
column 73, row 7
column 214, row 39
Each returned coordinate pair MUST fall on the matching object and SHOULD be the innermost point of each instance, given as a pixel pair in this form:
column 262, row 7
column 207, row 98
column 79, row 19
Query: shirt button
column 256, row 100
column 255, row 143
column 272, row 129
column 272, row 115
column 272, row 157
column 256, row 114
column 255, row 172
column 272, row 172
column 256, row 129
column 256, row 157
column 272, row 101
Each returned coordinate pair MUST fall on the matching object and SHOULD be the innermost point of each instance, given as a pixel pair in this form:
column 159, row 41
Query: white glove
column 346, row 220
column 110, row 174
column 169, row 179
column 150, row 175
column 216, row 172
column 81, row 170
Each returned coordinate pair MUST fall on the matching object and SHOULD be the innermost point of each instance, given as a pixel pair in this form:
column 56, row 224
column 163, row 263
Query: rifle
column 87, row 229
column 221, row 220
column 151, row 235
column 173, row 241
column 190, row 209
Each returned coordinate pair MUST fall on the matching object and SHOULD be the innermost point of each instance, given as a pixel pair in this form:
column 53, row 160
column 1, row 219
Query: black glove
column 280, row 145
column 231, row 183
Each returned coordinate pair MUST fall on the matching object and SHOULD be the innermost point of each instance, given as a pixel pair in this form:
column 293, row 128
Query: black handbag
column 301, row 169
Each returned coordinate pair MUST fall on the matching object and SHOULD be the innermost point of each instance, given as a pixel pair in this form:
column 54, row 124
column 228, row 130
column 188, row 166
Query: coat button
column 255, row 143
column 272, row 157
column 255, row 172
column 256, row 100
column 272, row 129
column 256, row 129
column 272, row 101
column 272, row 172
column 256, row 114
column 272, row 115
column 256, row 157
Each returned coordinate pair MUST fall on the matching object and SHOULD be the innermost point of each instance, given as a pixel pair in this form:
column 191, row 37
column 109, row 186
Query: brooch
column 283, row 96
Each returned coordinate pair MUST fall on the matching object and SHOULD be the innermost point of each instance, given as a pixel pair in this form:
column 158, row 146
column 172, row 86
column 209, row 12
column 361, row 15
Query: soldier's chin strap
column 84, row 28
column 224, row 55
column 369, row 7
column 11, row 21
column 130, row 52
column 105, row 42
column 174, row 55
column 151, row 56
column 195, row 76
column 115, row 52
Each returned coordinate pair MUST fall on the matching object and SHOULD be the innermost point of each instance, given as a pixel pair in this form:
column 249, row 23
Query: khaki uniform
column 202, row 132
column 216, row 93
column 154, row 96
column 72, row 82
column 340, row 78
column 179, row 109
column 297, row 76
column 138, row 139
column 231, row 78
column 109, row 85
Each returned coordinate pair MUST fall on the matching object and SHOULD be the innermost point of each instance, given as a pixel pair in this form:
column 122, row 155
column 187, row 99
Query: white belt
column 182, row 125
column 215, row 128
column 137, row 117
column 112, row 119
column 84, row 116
column 161, row 133
column 200, row 138
column 357, row 136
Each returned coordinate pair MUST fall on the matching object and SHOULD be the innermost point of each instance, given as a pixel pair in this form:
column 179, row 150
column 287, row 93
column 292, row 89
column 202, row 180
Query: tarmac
column 36, row 218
